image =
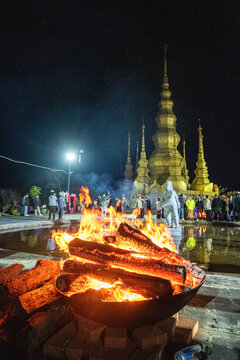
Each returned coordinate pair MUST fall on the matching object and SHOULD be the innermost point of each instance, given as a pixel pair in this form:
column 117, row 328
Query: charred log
column 6, row 275
column 130, row 238
column 10, row 272
column 144, row 285
column 144, row 266
column 43, row 271
column 37, row 298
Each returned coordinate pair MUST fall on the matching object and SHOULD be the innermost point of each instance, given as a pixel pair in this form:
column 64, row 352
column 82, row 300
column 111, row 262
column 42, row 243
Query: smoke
column 99, row 184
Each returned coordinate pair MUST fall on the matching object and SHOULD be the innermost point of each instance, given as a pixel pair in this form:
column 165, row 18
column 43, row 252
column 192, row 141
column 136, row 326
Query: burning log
column 37, row 298
column 101, row 295
column 123, row 259
column 147, row 286
column 7, row 274
column 129, row 238
column 29, row 280
column 10, row 272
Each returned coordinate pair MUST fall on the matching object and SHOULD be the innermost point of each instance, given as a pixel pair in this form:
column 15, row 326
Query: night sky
column 80, row 74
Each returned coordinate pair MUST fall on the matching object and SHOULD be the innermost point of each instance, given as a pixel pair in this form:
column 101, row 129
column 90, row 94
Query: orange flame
column 84, row 196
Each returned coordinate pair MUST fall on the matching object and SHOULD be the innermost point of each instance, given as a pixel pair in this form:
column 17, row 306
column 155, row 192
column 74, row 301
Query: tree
column 34, row 191
column 54, row 182
column 8, row 199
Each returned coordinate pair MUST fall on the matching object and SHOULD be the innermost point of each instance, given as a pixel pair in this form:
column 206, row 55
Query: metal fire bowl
column 133, row 313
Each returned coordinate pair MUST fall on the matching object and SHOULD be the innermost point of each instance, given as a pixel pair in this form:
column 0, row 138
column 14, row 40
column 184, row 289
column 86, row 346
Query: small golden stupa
column 142, row 180
column 201, row 182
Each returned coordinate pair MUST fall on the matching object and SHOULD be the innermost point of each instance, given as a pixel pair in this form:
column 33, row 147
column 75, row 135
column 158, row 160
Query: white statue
column 169, row 201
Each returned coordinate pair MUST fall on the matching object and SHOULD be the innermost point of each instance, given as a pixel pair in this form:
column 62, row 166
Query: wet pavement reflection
column 216, row 248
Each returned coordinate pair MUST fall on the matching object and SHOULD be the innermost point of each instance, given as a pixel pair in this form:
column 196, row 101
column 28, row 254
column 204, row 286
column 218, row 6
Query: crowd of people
column 216, row 208
column 55, row 205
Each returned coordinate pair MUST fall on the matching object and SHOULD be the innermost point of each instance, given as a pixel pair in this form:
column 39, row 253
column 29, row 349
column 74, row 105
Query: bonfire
column 117, row 259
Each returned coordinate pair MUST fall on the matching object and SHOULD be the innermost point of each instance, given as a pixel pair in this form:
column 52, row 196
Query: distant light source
column 71, row 156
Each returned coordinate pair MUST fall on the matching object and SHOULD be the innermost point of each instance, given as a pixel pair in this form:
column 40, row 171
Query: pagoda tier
column 165, row 162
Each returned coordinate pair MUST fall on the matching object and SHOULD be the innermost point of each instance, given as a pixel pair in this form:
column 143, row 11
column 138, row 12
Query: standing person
column 53, row 203
column 216, row 207
column 158, row 208
column 144, row 205
column 224, row 208
column 236, row 206
column 119, row 206
column 148, row 204
column 139, row 205
column 104, row 204
column 109, row 202
column 25, row 204
column 199, row 207
column 208, row 208
column 62, row 204
column 37, row 204
column 190, row 203
column 181, row 209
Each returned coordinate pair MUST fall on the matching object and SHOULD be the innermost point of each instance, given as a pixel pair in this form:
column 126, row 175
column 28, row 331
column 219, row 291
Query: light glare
column 71, row 156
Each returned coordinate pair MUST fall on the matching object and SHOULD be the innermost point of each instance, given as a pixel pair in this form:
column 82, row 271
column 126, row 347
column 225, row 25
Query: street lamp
column 70, row 157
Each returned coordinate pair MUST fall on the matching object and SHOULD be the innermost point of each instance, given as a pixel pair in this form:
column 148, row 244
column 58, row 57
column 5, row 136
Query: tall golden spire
column 201, row 181
column 137, row 150
column 143, row 152
column 184, row 148
column 128, row 174
column 142, row 180
column 185, row 170
column 165, row 162
column 200, row 151
column 165, row 77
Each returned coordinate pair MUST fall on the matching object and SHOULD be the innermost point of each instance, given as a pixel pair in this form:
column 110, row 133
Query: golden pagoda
column 201, row 182
column 142, row 180
column 185, row 170
column 166, row 163
column 128, row 173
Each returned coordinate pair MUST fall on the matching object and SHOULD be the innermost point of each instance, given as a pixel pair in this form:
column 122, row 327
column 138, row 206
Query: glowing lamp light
column 71, row 156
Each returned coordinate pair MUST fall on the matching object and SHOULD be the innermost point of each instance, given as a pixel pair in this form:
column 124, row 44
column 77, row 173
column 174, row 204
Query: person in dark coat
column 36, row 205
column 236, row 207
column 217, row 208
column 199, row 208
column 224, row 208
column 148, row 204
column 181, row 209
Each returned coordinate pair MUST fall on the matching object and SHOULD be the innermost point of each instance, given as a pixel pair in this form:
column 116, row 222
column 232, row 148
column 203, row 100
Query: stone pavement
column 10, row 223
